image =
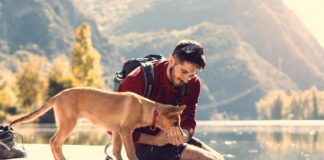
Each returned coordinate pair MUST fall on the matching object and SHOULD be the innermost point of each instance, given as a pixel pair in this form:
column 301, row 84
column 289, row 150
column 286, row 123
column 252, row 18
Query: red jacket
column 163, row 93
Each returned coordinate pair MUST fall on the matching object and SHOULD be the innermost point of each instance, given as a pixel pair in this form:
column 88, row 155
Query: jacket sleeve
column 134, row 82
column 188, row 117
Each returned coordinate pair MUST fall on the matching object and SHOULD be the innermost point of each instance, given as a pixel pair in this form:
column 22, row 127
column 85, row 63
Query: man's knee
column 212, row 156
column 218, row 157
column 192, row 152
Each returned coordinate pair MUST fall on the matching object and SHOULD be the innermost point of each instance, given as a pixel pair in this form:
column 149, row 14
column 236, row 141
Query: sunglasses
column 191, row 48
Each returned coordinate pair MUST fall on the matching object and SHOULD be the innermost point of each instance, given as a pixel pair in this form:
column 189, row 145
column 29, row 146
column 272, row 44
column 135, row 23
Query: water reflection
column 296, row 143
column 82, row 134
column 247, row 142
column 265, row 142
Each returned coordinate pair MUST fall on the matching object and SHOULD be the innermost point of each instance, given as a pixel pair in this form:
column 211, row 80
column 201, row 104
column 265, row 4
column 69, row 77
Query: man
column 169, row 77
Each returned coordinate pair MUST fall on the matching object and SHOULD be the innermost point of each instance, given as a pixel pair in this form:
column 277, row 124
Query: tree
column 60, row 78
column 273, row 105
column 7, row 88
column 277, row 107
column 315, row 103
column 295, row 106
column 86, row 60
column 299, row 105
column 60, row 75
column 32, row 81
column 320, row 104
column 8, row 97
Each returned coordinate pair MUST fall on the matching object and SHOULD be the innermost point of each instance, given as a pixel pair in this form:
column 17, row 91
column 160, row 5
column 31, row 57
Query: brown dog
column 120, row 113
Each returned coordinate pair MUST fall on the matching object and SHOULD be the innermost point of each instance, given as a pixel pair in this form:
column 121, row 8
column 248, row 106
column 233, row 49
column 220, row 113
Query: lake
column 236, row 140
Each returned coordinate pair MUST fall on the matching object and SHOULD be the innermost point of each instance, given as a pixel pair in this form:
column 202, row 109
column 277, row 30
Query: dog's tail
column 37, row 113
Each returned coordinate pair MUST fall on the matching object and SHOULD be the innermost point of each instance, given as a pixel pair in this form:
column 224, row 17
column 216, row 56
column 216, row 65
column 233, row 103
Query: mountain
column 47, row 28
column 270, row 48
column 252, row 46
column 46, row 25
column 235, row 75
column 269, row 26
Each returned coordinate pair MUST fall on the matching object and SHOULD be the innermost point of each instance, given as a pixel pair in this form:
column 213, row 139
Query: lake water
column 236, row 140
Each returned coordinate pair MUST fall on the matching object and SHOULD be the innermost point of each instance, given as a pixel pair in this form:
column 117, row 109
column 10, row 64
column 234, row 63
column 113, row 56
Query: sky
column 311, row 13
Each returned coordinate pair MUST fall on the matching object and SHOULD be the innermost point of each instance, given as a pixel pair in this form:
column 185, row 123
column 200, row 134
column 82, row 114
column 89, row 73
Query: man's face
column 182, row 72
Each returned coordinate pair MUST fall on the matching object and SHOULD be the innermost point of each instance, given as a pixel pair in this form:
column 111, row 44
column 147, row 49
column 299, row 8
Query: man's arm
column 188, row 117
column 136, row 83
column 160, row 139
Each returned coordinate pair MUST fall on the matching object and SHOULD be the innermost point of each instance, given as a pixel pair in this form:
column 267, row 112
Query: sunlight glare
column 311, row 13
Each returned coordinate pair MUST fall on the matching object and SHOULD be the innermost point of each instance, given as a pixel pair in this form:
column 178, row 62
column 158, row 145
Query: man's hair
column 191, row 51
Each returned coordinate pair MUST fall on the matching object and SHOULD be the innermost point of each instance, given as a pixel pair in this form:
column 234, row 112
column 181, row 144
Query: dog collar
column 154, row 119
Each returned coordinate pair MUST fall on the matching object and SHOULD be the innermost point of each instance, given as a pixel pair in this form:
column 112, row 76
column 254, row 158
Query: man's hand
column 175, row 136
column 161, row 139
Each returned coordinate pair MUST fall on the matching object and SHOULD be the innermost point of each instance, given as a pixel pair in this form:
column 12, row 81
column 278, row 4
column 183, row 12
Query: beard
column 175, row 81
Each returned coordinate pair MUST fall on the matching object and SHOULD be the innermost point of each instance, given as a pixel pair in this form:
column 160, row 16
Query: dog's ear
column 181, row 108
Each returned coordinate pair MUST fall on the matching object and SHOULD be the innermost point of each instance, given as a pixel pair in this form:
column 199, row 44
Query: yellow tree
column 60, row 75
column 8, row 97
column 32, row 81
column 320, row 97
column 310, row 103
column 7, row 88
column 273, row 105
column 295, row 106
column 60, row 78
column 86, row 60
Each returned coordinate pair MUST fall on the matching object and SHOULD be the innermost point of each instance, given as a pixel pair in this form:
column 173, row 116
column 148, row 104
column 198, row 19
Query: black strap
column 149, row 78
column 149, row 81
column 182, row 91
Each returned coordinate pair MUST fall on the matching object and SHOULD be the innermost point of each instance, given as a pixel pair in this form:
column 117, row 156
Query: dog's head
column 170, row 116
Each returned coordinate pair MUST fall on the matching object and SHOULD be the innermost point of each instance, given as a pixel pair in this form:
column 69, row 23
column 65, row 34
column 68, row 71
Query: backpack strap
column 149, row 77
column 183, row 92
column 149, row 81
column 147, row 66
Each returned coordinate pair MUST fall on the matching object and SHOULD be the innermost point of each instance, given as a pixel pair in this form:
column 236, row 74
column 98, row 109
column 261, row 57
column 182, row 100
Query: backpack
column 146, row 64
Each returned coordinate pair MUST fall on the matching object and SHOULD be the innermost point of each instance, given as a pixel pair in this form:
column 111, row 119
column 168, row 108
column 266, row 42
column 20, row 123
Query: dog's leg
column 126, row 136
column 116, row 145
column 59, row 137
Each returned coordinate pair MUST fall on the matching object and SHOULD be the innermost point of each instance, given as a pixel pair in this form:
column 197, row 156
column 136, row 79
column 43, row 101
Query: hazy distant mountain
column 47, row 25
column 269, row 47
column 270, row 27
column 235, row 76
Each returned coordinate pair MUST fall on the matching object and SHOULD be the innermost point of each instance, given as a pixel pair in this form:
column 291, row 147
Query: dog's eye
column 175, row 123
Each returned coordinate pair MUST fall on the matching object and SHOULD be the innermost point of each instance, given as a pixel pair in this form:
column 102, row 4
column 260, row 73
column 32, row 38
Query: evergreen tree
column 315, row 103
column 299, row 105
column 295, row 106
column 277, row 108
